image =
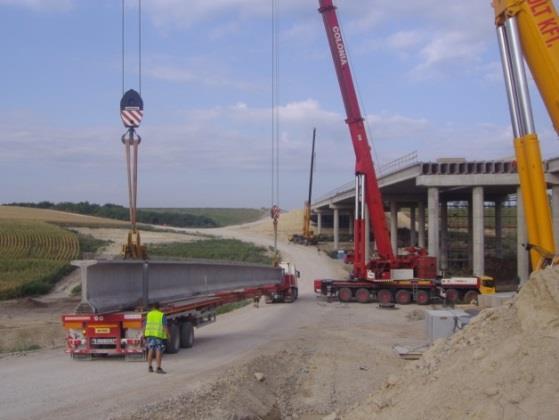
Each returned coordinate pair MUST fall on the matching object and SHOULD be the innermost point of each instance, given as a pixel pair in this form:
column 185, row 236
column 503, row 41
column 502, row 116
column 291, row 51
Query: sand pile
column 288, row 224
column 504, row 365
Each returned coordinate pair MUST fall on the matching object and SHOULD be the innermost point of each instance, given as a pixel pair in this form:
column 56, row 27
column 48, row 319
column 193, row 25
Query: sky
column 429, row 79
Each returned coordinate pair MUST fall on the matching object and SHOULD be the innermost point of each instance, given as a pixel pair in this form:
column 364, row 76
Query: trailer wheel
column 422, row 297
column 470, row 296
column 452, row 296
column 403, row 297
column 174, row 340
column 186, row 335
column 344, row 294
column 384, row 296
column 363, row 295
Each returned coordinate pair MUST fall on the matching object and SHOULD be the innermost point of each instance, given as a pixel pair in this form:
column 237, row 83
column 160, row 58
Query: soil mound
column 503, row 365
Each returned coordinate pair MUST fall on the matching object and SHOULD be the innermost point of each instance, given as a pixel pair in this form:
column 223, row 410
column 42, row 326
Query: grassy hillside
column 214, row 249
column 54, row 216
column 221, row 216
column 33, row 256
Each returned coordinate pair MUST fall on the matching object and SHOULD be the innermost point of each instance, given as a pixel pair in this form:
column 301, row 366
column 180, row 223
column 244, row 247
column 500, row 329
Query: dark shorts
column 154, row 343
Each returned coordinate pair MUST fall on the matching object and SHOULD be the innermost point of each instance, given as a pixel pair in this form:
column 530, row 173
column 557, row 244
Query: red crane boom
column 367, row 190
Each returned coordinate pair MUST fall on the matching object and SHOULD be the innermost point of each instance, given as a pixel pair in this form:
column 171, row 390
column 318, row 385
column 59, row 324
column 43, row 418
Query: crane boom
column 307, row 233
column 529, row 30
column 367, row 189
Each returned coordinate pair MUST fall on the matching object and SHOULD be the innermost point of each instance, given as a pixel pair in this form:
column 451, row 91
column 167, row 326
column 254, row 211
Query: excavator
column 412, row 276
column 307, row 237
column 528, row 30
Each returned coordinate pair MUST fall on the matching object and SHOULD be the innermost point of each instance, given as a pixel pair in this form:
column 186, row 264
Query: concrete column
column 555, row 213
column 433, row 221
column 421, row 225
column 413, row 239
column 478, row 231
column 522, row 255
column 318, row 222
column 499, row 228
column 336, row 228
column 444, row 236
column 394, row 226
column 350, row 224
column 367, row 234
column 470, row 236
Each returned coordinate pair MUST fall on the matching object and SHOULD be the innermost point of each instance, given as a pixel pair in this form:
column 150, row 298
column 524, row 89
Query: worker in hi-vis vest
column 156, row 332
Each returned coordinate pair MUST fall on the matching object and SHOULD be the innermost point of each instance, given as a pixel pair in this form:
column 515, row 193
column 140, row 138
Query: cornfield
column 33, row 256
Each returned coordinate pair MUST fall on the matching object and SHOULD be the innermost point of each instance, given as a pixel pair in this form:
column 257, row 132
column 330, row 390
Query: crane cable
column 275, row 210
column 131, row 139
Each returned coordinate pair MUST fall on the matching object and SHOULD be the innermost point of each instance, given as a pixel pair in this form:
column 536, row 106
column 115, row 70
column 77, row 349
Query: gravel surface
column 316, row 357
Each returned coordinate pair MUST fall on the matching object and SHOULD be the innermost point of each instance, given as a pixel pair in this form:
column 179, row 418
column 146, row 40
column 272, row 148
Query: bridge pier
column 478, row 231
column 412, row 227
column 433, row 221
column 522, row 255
column 421, row 223
column 394, row 226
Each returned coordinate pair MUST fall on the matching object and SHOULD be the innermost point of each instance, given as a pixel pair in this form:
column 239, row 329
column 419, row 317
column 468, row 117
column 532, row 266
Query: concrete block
column 494, row 300
column 444, row 323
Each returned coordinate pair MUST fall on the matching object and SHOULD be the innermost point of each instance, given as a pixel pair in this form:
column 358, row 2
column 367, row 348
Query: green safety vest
column 154, row 325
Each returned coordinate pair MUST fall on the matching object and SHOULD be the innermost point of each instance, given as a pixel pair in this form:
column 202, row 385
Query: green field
column 221, row 216
column 213, row 249
column 33, row 256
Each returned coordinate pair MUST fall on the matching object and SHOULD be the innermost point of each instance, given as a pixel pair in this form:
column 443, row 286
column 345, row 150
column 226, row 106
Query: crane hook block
column 131, row 109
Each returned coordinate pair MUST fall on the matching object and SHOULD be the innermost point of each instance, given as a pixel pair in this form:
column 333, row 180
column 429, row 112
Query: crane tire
column 363, row 295
column 344, row 294
column 384, row 296
column 403, row 297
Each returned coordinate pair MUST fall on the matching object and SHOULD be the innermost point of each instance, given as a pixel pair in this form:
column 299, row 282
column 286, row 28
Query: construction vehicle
column 529, row 30
column 405, row 278
column 307, row 237
column 110, row 317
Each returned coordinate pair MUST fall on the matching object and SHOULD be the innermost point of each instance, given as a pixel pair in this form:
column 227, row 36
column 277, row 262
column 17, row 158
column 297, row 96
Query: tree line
column 115, row 211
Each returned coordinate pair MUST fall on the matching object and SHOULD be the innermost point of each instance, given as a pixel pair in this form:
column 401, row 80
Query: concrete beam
column 478, row 232
column 467, row 180
column 433, row 221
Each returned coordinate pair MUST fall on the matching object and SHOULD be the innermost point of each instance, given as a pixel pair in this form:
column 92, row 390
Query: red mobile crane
column 388, row 276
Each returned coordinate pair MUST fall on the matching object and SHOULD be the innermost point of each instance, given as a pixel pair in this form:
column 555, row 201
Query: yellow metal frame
column 538, row 24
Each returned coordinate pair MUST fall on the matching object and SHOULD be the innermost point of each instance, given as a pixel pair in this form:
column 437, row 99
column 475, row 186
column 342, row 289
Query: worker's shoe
column 150, row 369
column 159, row 370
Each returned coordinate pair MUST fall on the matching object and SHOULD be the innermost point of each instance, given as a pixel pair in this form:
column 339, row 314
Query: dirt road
column 332, row 354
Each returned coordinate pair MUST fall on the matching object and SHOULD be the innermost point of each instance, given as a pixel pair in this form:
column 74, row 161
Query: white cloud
column 186, row 74
column 40, row 5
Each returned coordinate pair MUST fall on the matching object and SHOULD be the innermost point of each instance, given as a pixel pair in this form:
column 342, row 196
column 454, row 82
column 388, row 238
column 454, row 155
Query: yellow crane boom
column 529, row 30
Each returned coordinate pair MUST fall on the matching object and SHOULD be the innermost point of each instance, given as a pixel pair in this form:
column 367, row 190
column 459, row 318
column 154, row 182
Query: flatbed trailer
column 405, row 291
column 121, row 332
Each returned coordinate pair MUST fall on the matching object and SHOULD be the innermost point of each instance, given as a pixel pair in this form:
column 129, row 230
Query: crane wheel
column 344, row 294
column 403, row 297
column 470, row 296
column 452, row 296
column 422, row 297
column 384, row 296
column 363, row 295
